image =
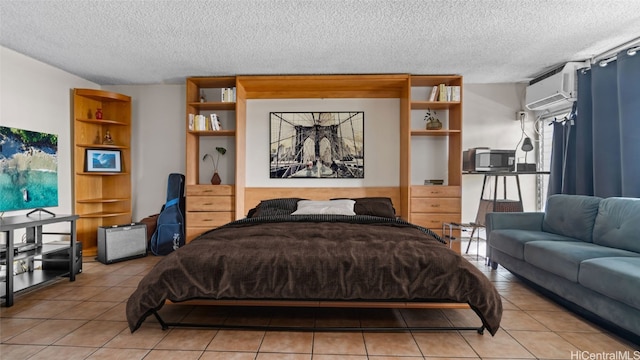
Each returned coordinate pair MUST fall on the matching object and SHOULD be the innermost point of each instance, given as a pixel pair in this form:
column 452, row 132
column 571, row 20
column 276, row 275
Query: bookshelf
column 100, row 198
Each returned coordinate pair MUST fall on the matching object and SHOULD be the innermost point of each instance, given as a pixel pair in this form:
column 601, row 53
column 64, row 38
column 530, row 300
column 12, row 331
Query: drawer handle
column 207, row 191
column 435, row 192
column 207, row 220
column 435, row 205
column 207, row 204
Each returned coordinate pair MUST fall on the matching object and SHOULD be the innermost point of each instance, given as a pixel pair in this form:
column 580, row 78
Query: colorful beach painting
column 28, row 169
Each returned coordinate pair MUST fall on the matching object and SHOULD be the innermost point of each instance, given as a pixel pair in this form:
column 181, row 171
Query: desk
column 500, row 205
column 33, row 247
column 487, row 205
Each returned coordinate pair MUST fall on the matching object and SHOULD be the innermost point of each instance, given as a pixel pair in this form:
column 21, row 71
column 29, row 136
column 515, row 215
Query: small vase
column 434, row 124
column 215, row 179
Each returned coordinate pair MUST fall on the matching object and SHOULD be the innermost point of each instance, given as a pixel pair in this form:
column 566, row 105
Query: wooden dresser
column 433, row 205
column 208, row 206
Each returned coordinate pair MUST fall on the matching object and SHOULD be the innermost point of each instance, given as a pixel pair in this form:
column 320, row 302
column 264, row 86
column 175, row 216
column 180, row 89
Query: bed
column 286, row 251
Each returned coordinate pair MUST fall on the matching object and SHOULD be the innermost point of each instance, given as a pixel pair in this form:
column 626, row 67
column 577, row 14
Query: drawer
column 193, row 232
column 210, row 203
column 433, row 221
column 210, row 190
column 209, row 219
column 435, row 205
column 435, row 191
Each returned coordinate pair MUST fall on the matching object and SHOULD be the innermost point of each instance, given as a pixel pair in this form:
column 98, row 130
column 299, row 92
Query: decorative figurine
column 99, row 114
column 107, row 139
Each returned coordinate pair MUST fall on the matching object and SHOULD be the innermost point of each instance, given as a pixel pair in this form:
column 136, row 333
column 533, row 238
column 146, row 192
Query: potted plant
column 433, row 123
column 215, row 179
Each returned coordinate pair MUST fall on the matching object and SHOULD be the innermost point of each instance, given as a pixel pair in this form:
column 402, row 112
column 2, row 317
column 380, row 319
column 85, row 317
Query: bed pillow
column 332, row 207
column 275, row 207
column 374, row 206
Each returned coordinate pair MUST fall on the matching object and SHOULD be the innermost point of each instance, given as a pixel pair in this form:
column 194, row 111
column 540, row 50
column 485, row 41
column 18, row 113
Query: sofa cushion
column 618, row 224
column 615, row 277
column 571, row 215
column 511, row 241
column 563, row 258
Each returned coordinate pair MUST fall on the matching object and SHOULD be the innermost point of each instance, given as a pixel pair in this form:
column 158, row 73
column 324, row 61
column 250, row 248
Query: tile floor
column 85, row 320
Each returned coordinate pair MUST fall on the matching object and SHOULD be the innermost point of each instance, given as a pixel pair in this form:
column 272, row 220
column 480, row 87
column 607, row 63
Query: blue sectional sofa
column 583, row 251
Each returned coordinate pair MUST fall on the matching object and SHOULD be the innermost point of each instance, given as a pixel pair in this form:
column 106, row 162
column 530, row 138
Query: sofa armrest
column 514, row 220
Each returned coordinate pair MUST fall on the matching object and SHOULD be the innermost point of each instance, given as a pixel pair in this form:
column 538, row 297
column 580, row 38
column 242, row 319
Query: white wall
column 489, row 114
column 37, row 97
column 158, row 136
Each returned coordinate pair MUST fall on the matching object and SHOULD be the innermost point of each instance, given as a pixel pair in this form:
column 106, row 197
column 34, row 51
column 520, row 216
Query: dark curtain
column 596, row 150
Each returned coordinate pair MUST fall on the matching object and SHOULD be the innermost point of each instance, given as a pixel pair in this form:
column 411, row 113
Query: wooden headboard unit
column 253, row 195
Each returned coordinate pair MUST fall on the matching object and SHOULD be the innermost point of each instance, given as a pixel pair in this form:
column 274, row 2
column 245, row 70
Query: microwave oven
column 485, row 159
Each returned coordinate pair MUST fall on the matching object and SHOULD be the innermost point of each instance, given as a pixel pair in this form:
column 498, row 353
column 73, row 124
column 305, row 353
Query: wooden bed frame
column 321, row 304
column 253, row 195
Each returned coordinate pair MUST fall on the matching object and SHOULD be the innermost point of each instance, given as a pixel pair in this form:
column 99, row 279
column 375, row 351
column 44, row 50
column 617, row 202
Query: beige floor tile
column 86, row 310
column 114, row 313
column 236, row 340
column 502, row 345
column 338, row 357
column 186, row 339
column 146, row 337
column 18, row 352
column 444, row 344
column 396, row 344
column 114, row 294
column 46, row 309
column 597, row 342
column 10, row 327
column 47, row 332
column 563, row 321
column 281, row 356
column 94, row 334
column 545, row 344
column 520, row 320
column 351, row 343
column 425, row 318
column 80, row 292
column 463, row 317
column 63, row 353
column 287, row 342
column 227, row 355
column 377, row 357
column 118, row 354
column 531, row 301
column 173, row 355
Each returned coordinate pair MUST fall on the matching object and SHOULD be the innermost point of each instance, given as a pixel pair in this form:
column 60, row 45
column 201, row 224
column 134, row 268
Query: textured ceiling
column 146, row 42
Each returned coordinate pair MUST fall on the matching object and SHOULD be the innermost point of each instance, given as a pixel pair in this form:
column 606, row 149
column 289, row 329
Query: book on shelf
column 442, row 92
column 455, row 93
column 228, row 94
column 433, row 95
column 203, row 123
column 447, row 93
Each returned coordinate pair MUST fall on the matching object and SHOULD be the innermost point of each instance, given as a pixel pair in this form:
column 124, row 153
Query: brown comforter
column 303, row 259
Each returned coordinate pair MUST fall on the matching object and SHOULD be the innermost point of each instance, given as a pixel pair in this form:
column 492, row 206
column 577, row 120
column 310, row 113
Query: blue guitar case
column 169, row 234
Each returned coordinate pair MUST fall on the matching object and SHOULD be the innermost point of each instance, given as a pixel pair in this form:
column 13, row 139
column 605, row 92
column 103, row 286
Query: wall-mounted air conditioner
column 554, row 89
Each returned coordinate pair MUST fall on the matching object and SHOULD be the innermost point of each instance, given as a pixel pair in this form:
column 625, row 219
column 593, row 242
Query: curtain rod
column 613, row 51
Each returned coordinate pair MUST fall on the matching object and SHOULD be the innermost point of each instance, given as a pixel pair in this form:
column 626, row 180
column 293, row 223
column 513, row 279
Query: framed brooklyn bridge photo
column 317, row 144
